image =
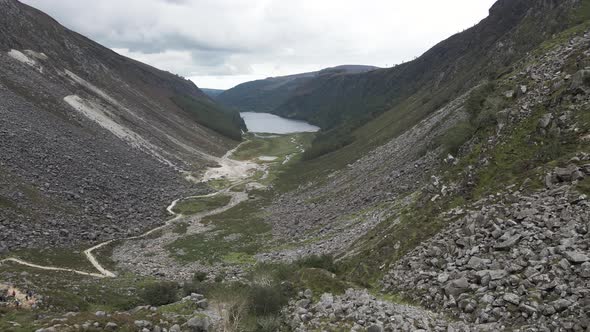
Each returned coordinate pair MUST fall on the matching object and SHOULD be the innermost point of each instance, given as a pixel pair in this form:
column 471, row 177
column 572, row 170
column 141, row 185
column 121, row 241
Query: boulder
column 142, row 323
column 508, row 243
column 581, row 81
column 476, row 262
column 567, row 174
column 494, row 274
column 111, row 326
column 511, row 298
column 199, row 323
column 457, row 286
column 576, row 257
column 375, row 328
column 203, row 304
column 545, row 121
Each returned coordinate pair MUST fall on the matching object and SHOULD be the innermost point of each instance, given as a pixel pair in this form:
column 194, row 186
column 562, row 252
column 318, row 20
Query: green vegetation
column 237, row 234
column 160, row 293
column 457, row 136
column 255, row 305
column 180, row 228
column 201, row 204
column 482, row 106
column 267, row 300
column 66, row 258
column 65, row 292
column 210, row 115
column 5, row 203
column 219, row 184
column 584, row 186
column 329, row 141
column 279, row 146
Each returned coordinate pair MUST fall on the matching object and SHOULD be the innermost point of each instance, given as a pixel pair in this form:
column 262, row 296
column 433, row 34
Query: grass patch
column 160, row 293
column 5, row 203
column 65, row 258
column 63, row 292
column 320, row 281
column 179, row 308
column 278, row 146
column 239, row 258
column 237, row 235
column 180, row 228
column 584, row 186
column 219, row 184
column 196, row 205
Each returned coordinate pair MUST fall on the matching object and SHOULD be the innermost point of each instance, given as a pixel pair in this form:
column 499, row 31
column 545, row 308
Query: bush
column 325, row 262
column 266, row 300
column 195, row 286
column 200, row 276
column 455, row 137
column 475, row 102
column 160, row 293
column 268, row 324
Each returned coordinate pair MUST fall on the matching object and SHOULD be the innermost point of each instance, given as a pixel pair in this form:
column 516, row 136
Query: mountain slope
column 92, row 142
column 212, row 93
column 495, row 234
column 399, row 97
column 268, row 94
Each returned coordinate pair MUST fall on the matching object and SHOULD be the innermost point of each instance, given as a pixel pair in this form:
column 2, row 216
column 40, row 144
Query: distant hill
column 268, row 94
column 212, row 93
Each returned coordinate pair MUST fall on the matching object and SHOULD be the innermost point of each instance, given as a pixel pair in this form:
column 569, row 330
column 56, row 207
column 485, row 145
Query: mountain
column 212, row 93
column 378, row 105
column 268, row 94
column 92, row 142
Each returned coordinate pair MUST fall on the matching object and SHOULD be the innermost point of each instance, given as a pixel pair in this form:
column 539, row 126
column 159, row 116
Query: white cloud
column 221, row 42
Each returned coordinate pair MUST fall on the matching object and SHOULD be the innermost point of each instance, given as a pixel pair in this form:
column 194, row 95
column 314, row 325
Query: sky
column 221, row 43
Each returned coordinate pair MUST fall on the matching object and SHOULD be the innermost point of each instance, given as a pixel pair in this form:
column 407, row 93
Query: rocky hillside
column 269, row 94
column 92, row 143
column 479, row 211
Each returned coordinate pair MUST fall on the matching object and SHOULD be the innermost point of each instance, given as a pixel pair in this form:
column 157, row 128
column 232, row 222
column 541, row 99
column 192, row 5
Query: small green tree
column 160, row 293
column 266, row 300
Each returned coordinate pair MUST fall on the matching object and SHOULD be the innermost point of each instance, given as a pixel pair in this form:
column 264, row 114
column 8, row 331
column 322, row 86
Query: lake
column 273, row 124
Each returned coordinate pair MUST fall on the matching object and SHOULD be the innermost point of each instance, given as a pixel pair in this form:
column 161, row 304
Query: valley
column 446, row 193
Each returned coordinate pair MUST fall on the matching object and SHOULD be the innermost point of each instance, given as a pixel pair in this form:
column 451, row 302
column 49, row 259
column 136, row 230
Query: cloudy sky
column 221, row 43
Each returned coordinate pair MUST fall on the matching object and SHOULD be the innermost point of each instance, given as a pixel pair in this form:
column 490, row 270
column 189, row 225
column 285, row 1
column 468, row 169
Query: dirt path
column 230, row 169
column 52, row 268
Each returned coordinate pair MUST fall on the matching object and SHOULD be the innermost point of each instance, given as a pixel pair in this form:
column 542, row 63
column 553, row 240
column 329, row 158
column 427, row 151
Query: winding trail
column 229, row 168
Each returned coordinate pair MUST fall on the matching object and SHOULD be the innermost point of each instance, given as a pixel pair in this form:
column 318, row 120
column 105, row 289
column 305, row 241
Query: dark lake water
column 270, row 123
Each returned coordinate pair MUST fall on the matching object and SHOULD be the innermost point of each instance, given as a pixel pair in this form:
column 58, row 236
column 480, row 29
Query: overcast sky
column 221, row 43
